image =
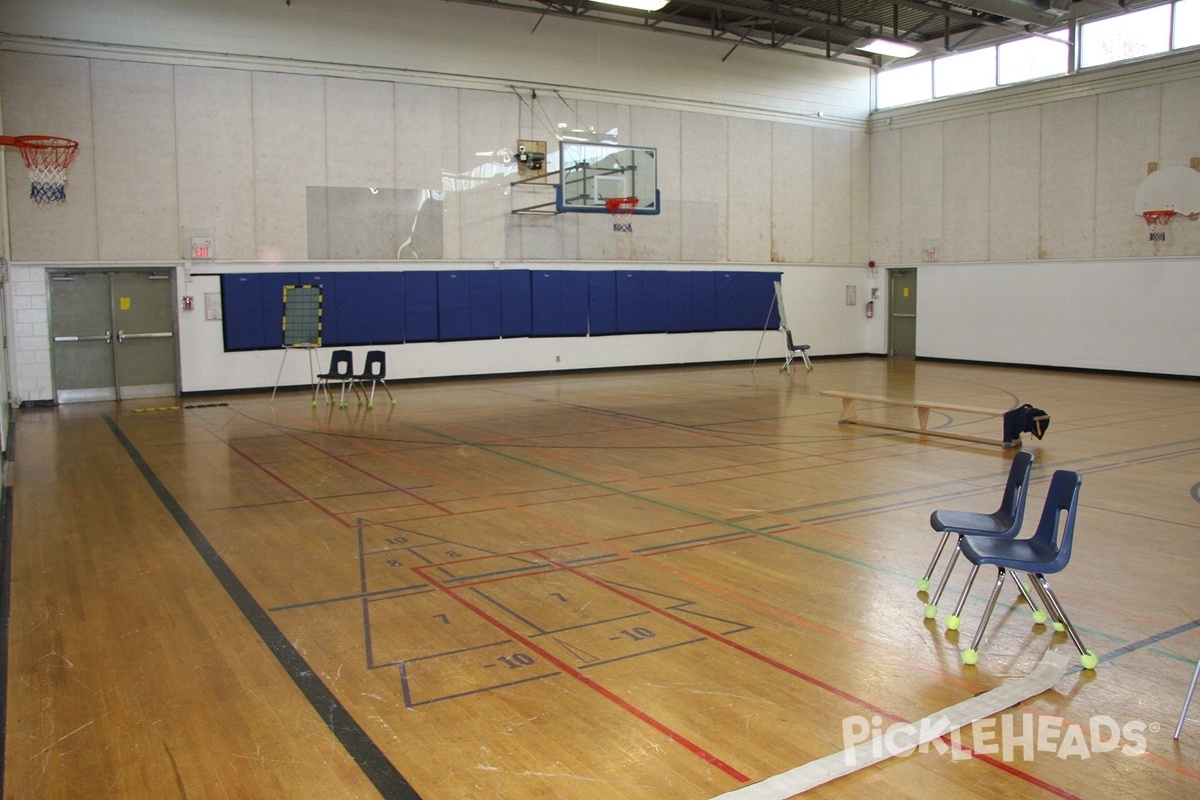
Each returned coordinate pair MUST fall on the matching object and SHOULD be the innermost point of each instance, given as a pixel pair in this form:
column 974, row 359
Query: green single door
column 902, row 313
column 81, row 337
column 144, row 317
column 113, row 335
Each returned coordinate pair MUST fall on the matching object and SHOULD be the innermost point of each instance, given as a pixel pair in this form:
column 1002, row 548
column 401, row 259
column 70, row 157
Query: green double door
column 113, row 335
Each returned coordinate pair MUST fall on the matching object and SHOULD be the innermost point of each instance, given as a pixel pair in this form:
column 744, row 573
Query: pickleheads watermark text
column 1011, row 737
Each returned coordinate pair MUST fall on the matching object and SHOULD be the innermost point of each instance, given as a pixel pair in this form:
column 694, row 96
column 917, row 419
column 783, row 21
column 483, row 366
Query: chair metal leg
column 971, row 654
column 1086, row 657
column 931, row 606
column 1188, row 701
column 923, row 584
column 952, row 621
column 1039, row 616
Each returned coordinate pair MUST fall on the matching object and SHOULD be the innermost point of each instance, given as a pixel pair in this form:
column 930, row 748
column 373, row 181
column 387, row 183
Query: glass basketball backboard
column 592, row 174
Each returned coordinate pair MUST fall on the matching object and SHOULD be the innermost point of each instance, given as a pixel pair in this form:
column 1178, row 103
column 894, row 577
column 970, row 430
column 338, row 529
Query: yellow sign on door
column 125, row 302
column 906, row 291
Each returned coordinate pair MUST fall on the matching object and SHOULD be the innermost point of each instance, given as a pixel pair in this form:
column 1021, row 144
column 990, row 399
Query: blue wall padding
column 643, row 301
column 420, row 307
column 560, row 303
column 454, row 305
column 252, row 309
column 486, row 321
column 516, row 303
column 602, row 302
column 704, row 301
column 375, row 308
column 359, row 307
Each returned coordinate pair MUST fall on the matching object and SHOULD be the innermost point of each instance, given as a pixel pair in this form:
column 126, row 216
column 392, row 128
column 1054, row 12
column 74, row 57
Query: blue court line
column 357, row 742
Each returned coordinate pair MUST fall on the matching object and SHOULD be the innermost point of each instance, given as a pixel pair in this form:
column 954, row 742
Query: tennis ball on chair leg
column 923, row 585
column 952, row 622
column 970, row 656
column 1088, row 660
column 930, row 611
column 1040, row 617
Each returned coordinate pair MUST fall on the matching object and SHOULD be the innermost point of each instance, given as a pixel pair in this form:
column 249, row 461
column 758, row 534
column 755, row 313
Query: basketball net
column 1158, row 220
column 47, row 159
column 621, row 208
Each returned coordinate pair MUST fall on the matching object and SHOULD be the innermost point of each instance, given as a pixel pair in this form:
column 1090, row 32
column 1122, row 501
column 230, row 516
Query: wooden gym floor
column 661, row 584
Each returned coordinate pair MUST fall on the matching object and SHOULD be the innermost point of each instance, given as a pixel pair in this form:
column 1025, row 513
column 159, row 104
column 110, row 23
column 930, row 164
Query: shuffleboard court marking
column 878, row 749
column 567, row 669
column 357, row 742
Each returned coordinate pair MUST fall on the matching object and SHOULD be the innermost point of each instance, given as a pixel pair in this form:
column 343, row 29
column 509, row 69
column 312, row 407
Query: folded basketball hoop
column 1158, row 220
column 47, row 159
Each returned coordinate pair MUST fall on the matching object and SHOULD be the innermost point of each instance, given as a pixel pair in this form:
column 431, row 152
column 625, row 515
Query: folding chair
column 1004, row 522
column 1047, row 551
column 375, row 371
column 341, row 370
column 792, row 350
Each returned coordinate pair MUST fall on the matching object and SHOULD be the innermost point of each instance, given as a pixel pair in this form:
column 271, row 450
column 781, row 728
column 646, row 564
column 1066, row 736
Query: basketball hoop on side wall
column 1158, row 221
column 47, row 159
column 621, row 208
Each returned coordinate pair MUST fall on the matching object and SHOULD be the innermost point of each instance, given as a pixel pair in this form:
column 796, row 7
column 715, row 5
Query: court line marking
column 358, row 744
column 595, row 686
column 935, row 726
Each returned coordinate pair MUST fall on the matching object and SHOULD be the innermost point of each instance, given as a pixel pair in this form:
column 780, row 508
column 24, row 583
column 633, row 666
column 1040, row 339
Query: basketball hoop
column 621, row 207
column 1158, row 220
column 47, row 159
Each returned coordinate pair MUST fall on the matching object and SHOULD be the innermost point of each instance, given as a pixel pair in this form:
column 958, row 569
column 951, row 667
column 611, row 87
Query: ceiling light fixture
column 887, row 47
column 640, row 5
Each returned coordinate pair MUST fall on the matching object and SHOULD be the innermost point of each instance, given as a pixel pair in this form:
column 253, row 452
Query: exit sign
column 202, row 247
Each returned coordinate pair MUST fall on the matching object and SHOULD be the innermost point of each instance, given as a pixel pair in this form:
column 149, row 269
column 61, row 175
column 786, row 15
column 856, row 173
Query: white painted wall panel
column 1092, row 315
column 862, row 247
column 133, row 112
column 832, row 195
column 749, row 192
column 885, row 197
column 419, row 135
column 1014, row 170
column 1068, row 179
column 704, row 184
column 967, row 177
column 792, row 185
column 1180, row 122
column 289, row 156
column 921, row 187
column 46, row 96
column 1128, row 126
column 214, row 132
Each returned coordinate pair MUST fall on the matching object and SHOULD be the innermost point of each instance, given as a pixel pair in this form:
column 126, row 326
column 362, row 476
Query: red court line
column 591, row 684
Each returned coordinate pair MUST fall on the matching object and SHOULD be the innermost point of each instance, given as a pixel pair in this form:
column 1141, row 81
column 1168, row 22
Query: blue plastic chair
column 1047, row 551
column 375, row 371
column 792, row 351
column 1005, row 522
column 341, row 370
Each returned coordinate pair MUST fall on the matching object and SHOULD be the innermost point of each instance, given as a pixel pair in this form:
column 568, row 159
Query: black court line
column 359, row 745
column 1124, row 650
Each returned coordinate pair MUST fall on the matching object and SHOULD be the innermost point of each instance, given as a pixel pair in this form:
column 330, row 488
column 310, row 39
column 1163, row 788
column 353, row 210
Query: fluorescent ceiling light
column 640, row 5
column 887, row 47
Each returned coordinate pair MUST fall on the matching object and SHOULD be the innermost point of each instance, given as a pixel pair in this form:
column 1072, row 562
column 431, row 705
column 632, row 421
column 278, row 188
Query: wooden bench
column 923, row 407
